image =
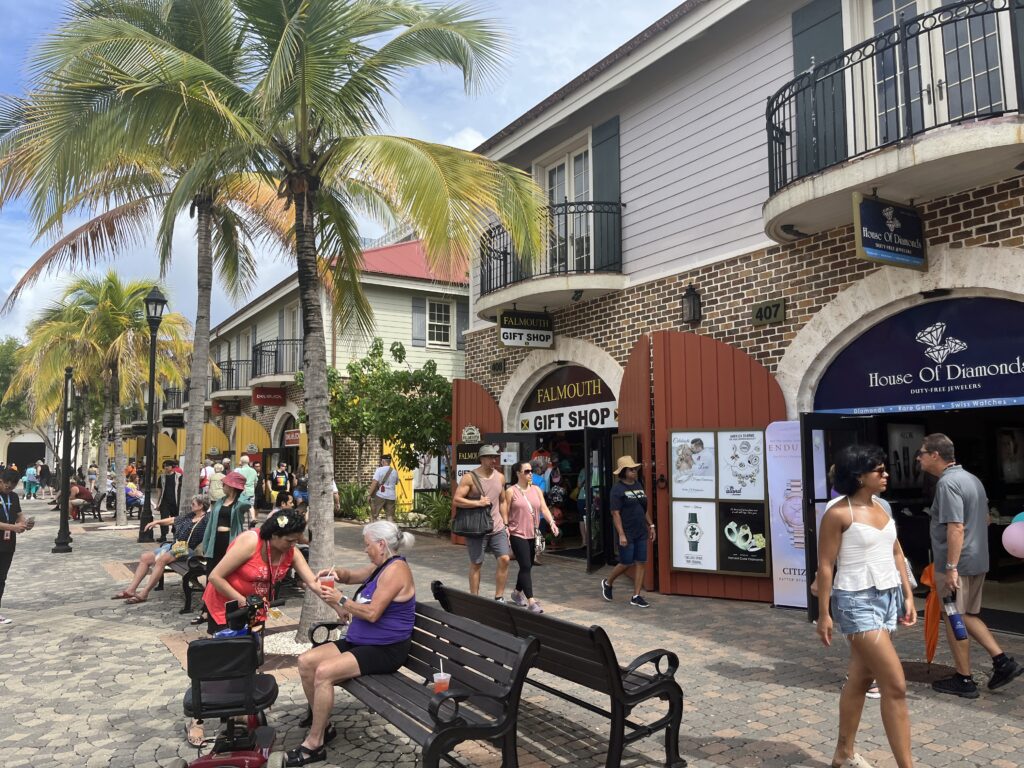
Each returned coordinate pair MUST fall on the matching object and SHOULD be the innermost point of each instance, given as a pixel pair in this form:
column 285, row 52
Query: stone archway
column 960, row 271
column 541, row 362
column 277, row 427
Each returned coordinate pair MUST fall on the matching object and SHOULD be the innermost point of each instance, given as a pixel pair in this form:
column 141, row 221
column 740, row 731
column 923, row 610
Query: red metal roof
column 409, row 260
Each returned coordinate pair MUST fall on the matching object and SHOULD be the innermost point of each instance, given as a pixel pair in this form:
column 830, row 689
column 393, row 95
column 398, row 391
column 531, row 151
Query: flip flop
column 134, row 600
column 192, row 726
column 123, row 595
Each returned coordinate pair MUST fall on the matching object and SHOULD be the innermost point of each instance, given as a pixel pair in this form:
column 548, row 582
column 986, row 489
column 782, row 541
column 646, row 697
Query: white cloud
column 465, row 138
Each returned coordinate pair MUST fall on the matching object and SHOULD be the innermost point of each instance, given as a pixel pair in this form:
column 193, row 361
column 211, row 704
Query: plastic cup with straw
column 441, row 679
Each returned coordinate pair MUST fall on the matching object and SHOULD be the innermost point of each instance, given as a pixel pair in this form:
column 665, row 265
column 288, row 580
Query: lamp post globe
column 155, row 306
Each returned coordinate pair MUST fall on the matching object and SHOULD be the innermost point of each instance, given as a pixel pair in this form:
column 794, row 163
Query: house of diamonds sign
column 956, row 353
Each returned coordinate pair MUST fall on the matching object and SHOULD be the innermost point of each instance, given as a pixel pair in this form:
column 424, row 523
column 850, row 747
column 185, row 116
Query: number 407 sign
column 768, row 312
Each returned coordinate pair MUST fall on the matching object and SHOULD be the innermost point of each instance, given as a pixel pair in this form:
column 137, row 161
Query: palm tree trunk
column 121, row 517
column 321, row 451
column 200, row 358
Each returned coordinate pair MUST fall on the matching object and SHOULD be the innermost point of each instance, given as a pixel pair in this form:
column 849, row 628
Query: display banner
column 571, row 397
column 785, row 501
column 889, row 233
column 742, row 538
column 694, row 543
column 954, row 353
column 526, row 329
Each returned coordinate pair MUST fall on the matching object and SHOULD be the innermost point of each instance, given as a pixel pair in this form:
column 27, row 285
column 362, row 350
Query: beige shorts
column 377, row 504
column 968, row 596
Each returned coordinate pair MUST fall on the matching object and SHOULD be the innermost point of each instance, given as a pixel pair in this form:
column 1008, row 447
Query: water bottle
column 955, row 619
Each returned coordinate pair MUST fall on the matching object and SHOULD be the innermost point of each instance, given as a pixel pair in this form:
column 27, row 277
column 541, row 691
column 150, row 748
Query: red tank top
column 253, row 577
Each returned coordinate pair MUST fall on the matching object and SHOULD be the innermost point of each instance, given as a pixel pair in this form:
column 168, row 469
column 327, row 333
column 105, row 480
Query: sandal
column 134, row 600
column 853, row 762
column 123, row 595
column 304, row 755
column 200, row 619
column 192, row 727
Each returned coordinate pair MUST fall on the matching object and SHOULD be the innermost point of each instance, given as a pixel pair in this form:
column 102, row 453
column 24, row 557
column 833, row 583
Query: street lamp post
column 62, row 543
column 155, row 306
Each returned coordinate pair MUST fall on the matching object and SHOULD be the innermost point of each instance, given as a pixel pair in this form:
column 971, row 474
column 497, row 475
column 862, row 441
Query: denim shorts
column 635, row 550
column 866, row 610
column 163, row 549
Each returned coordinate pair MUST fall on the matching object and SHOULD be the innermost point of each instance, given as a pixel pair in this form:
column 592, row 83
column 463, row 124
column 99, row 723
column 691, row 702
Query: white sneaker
column 5, row 620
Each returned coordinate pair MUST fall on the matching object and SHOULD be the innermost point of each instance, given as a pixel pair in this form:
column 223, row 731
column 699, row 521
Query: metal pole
column 62, row 544
column 146, row 514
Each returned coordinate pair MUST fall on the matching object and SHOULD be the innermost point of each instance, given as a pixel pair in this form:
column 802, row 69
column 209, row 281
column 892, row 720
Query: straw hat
column 625, row 462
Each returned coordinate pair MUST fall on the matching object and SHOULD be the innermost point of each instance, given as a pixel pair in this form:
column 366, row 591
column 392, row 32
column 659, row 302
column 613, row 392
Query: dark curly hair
column 854, row 461
column 284, row 522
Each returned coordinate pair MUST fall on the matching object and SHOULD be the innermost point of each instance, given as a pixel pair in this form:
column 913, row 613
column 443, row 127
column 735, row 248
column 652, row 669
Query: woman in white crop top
column 862, row 578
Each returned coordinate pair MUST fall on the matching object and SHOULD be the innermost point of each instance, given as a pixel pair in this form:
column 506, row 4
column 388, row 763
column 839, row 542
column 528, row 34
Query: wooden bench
column 488, row 668
column 193, row 577
column 94, row 507
column 584, row 655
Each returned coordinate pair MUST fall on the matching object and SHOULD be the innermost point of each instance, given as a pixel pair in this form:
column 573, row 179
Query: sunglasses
column 526, row 471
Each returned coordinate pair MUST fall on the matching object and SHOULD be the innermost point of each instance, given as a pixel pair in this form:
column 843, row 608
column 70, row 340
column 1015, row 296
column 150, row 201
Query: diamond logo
column 891, row 221
column 937, row 349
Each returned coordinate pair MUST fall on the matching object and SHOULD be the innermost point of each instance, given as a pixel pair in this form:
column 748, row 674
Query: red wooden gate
column 471, row 404
column 701, row 383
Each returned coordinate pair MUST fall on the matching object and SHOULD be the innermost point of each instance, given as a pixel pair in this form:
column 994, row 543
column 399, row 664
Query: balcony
column 173, row 400
column 206, row 391
column 928, row 108
column 583, row 260
column 233, row 382
column 276, row 361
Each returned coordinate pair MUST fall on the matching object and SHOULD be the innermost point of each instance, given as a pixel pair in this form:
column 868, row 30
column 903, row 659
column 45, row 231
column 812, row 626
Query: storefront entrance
column 949, row 366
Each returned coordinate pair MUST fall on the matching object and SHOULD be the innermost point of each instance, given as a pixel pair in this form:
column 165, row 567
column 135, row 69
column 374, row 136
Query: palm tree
column 308, row 109
column 99, row 328
column 123, row 186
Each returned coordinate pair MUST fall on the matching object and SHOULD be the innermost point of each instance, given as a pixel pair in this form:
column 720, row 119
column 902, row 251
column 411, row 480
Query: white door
column 568, row 188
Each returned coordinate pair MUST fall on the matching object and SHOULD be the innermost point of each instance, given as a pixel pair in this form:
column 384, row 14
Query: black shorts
column 377, row 659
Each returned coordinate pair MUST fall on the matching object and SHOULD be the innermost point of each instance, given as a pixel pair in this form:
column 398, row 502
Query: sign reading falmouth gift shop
column 526, row 329
column 572, row 397
column 955, row 353
column 888, row 233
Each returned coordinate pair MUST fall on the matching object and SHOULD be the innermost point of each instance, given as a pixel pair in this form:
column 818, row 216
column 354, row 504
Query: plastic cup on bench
column 441, row 682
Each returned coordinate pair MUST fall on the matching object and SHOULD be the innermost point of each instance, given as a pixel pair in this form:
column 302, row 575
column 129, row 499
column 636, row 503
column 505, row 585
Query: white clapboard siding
column 693, row 147
column 392, row 310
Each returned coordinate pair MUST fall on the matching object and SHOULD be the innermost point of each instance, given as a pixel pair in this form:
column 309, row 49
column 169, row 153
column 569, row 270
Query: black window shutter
column 461, row 323
column 818, row 34
column 419, row 321
column 607, row 220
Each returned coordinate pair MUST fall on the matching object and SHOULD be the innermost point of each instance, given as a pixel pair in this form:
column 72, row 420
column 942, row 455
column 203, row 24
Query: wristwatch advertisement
column 693, row 531
column 694, row 544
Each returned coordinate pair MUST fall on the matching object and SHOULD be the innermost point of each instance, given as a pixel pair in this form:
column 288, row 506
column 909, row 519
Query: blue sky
column 552, row 43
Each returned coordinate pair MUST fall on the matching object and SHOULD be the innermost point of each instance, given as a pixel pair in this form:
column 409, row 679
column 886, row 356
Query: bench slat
column 491, row 642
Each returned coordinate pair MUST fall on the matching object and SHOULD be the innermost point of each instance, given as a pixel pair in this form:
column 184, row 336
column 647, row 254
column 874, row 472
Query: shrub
column 436, row 508
column 353, row 502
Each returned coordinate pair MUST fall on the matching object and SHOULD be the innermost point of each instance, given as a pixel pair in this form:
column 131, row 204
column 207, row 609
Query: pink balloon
column 1013, row 539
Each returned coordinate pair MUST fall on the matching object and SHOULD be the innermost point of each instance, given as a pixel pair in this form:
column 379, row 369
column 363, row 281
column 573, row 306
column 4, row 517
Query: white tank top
column 865, row 556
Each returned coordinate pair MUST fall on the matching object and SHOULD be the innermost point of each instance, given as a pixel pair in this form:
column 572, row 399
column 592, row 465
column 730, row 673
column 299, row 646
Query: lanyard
column 5, row 501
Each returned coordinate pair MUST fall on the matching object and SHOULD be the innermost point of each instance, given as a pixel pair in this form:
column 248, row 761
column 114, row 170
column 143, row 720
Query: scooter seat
column 226, row 698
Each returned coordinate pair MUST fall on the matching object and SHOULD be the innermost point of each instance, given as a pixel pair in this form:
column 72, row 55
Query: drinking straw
column 442, row 665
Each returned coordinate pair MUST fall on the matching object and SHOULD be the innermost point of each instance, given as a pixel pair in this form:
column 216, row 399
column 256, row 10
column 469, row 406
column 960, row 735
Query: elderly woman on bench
column 188, row 532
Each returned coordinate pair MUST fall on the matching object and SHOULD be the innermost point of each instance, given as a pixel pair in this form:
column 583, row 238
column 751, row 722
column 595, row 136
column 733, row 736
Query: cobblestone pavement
column 86, row 681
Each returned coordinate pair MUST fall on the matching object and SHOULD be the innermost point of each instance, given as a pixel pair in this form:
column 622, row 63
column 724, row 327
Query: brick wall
column 809, row 273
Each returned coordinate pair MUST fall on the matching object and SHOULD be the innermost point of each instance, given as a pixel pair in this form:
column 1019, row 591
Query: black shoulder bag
column 473, row 522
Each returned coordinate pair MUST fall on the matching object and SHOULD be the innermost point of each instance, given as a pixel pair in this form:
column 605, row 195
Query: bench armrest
column 329, row 626
column 655, row 657
column 455, row 695
column 197, row 563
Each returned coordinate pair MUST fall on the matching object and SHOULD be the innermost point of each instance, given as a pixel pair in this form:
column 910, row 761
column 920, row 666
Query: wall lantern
column 691, row 305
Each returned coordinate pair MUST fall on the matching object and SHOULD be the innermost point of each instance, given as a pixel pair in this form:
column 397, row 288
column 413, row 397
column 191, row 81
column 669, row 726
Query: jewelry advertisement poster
column 786, row 503
column 692, row 458
column 741, row 465
column 742, row 539
column 719, row 518
column 694, row 543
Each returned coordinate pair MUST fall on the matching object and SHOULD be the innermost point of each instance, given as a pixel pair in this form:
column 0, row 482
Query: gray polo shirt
column 960, row 498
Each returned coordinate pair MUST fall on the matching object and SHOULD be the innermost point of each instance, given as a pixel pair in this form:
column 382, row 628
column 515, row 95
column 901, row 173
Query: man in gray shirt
column 959, row 534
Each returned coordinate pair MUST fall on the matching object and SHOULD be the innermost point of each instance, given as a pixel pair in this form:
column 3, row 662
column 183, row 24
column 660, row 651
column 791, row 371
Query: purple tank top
column 393, row 626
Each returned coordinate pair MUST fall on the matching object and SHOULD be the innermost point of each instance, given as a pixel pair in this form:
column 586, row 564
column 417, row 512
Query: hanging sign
column 268, row 396
column 889, row 233
column 291, row 438
column 571, row 397
column 173, row 420
column 955, row 353
column 526, row 329
column 226, row 408
column 467, row 458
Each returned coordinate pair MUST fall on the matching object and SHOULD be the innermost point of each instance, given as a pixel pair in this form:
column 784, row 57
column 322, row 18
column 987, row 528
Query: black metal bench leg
column 617, row 740
column 186, row 587
column 160, row 584
column 672, row 757
column 509, row 751
column 432, row 752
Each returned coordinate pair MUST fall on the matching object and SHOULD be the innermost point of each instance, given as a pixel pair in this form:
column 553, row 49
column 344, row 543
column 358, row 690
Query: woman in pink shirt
column 521, row 502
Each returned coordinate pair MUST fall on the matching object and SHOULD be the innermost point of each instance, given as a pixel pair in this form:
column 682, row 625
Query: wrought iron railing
column 583, row 237
column 959, row 63
column 234, row 374
column 188, row 385
column 173, row 399
column 276, row 357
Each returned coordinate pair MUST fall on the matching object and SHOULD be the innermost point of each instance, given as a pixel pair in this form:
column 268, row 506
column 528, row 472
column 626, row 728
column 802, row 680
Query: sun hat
column 234, row 479
column 625, row 462
column 488, row 450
